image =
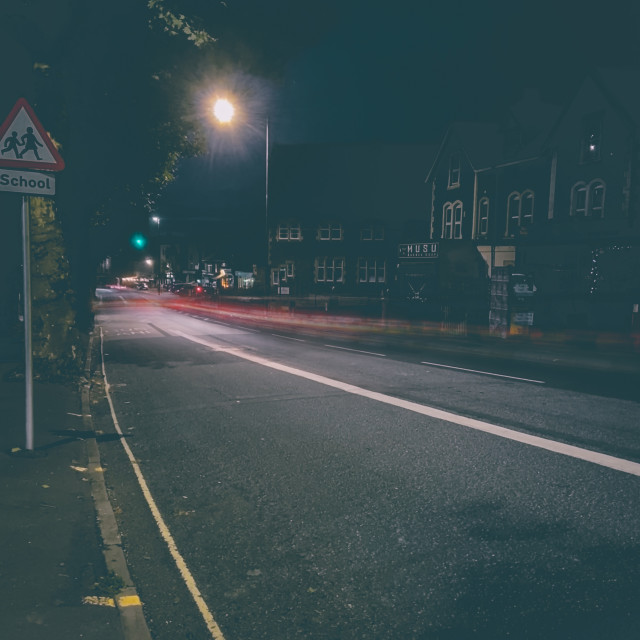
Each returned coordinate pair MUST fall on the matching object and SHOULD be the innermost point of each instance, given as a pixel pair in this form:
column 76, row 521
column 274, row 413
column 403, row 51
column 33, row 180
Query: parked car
column 187, row 289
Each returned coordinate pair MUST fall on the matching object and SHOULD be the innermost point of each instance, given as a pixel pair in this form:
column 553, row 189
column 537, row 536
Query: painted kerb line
column 601, row 459
column 188, row 578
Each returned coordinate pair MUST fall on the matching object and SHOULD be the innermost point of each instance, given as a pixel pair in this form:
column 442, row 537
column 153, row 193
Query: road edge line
column 134, row 624
column 185, row 573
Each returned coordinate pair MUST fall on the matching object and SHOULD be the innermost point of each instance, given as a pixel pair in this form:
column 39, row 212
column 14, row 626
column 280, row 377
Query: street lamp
column 224, row 111
column 156, row 219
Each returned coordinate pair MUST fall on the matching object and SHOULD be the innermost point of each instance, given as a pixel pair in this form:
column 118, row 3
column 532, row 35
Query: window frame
column 527, row 216
column 483, row 216
column 592, row 210
column 289, row 232
column 577, row 190
column 330, row 235
column 374, row 270
column 455, row 170
column 372, row 233
column 452, row 217
column 587, row 190
column 517, row 216
column 457, row 220
column 329, row 264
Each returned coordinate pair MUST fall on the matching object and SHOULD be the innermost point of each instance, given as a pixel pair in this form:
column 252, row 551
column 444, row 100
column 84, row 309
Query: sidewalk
column 51, row 557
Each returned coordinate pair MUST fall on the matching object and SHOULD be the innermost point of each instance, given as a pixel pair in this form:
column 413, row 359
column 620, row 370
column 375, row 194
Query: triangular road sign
column 25, row 144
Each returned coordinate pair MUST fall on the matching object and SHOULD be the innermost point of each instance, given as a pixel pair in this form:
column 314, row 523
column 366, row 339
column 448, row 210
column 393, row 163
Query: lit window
column 591, row 141
column 370, row 270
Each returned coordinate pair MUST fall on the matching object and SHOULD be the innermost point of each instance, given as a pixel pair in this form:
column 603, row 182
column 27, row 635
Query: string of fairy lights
column 595, row 276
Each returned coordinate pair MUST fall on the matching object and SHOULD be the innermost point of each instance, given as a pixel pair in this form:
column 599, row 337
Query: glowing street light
column 223, row 110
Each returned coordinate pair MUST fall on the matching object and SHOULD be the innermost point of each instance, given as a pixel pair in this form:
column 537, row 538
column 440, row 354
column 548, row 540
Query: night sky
column 362, row 71
column 401, row 71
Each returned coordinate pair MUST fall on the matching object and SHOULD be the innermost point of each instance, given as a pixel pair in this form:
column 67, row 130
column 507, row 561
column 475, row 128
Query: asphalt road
column 317, row 489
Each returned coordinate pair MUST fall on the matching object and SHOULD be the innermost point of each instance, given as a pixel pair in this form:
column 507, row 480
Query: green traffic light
column 138, row 241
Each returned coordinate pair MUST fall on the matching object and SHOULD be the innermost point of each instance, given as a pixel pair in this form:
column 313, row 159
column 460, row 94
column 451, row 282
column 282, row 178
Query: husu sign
column 418, row 250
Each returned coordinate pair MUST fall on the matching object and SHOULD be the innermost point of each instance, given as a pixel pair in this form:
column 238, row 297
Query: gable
column 592, row 97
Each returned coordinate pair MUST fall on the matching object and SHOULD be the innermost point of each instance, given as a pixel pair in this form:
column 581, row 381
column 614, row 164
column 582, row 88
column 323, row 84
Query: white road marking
column 604, row 460
column 370, row 353
column 277, row 335
column 484, row 373
column 188, row 578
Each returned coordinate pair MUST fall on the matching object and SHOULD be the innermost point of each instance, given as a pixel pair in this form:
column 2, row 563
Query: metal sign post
column 25, row 145
column 26, row 302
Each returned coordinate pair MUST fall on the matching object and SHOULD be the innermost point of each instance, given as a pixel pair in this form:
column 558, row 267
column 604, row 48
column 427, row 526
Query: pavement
column 62, row 569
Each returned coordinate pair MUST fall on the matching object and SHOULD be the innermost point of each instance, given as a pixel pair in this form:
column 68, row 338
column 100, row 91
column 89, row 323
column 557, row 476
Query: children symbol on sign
column 30, row 143
column 11, row 144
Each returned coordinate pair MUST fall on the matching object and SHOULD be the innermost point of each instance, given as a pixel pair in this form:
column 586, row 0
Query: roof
column 619, row 87
column 365, row 181
column 482, row 143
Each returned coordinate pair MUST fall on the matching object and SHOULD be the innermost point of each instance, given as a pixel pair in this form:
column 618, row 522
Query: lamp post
column 156, row 219
column 224, row 111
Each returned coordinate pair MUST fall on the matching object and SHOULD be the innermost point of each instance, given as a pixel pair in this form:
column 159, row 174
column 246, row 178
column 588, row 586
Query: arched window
column 483, row 216
column 588, row 199
column 452, row 220
column 513, row 212
column 447, row 220
column 526, row 208
column 520, row 207
column 579, row 199
column 596, row 199
column 457, row 220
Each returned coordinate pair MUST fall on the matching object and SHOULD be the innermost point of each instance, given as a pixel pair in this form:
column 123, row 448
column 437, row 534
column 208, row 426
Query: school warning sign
column 25, row 144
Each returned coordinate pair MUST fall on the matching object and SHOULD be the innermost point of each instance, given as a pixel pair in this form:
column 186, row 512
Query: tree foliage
column 115, row 84
column 110, row 82
column 58, row 347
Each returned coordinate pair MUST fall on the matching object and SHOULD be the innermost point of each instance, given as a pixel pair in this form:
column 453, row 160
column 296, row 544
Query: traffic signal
column 138, row 241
